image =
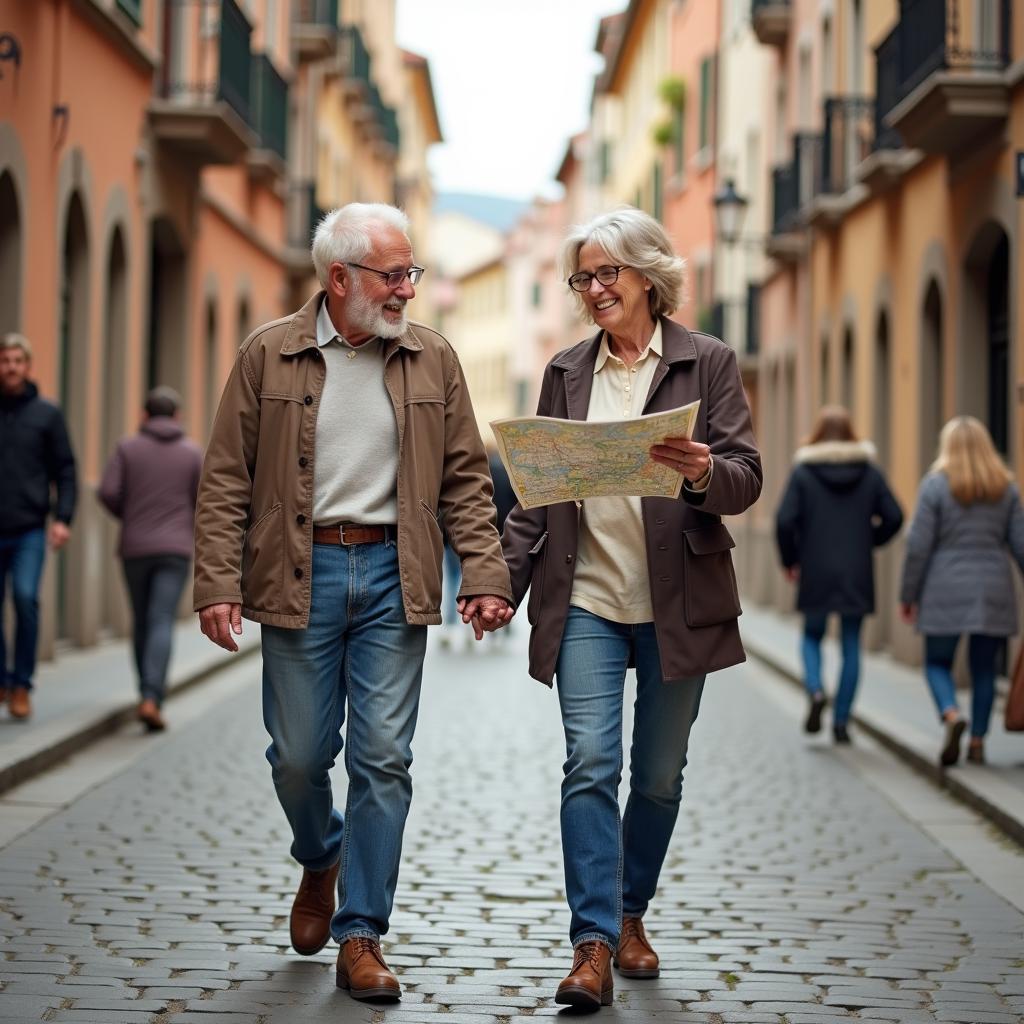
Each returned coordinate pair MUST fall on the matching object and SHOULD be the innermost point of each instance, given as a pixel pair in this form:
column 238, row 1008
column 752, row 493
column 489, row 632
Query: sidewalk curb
column 960, row 787
column 104, row 723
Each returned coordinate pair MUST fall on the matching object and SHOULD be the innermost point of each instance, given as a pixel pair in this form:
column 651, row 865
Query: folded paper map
column 550, row 460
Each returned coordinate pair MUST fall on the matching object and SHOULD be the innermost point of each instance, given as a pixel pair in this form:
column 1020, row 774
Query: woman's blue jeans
column 938, row 670
column 849, row 674
column 22, row 556
column 358, row 651
column 611, row 864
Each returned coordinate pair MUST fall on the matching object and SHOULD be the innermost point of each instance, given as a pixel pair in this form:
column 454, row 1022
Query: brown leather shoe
column 635, row 958
column 150, row 717
column 589, row 984
column 362, row 970
column 312, row 910
column 20, row 706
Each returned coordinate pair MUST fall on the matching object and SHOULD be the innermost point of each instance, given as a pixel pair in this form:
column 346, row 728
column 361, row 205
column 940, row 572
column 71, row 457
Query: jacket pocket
column 262, row 560
column 539, row 558
column 431, row 557
column 709, row 580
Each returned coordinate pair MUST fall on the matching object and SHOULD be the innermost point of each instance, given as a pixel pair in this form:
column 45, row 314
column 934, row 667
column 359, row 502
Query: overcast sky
column 512, row 80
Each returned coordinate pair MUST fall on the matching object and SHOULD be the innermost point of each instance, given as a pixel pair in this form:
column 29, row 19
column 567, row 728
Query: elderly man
column 344, row 434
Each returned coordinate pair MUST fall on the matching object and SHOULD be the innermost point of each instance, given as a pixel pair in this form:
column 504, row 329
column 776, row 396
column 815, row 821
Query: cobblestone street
column 795, row 890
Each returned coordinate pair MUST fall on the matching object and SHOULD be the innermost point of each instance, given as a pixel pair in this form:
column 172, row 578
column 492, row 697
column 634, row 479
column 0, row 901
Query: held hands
column 486, row 612
column 691, row 458
column 219, row 621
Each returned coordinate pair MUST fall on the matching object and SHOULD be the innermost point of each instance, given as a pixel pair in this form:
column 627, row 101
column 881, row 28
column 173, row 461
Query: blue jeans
column 611, row 864
column 22, row 556
column 849, row 674
column 357, row 649
column 981, row 656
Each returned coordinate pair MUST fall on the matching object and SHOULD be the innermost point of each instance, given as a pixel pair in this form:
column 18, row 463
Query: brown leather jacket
column 693, row 585
column 254, row 516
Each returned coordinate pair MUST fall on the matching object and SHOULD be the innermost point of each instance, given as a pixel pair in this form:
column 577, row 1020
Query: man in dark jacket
column 150, row 484
column 35, row 456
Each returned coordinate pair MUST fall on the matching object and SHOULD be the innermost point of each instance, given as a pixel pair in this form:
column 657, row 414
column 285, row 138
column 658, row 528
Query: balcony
column 303, row 216
column 793, row 187
column 314, row 29
column 846, row 141
column 771, row 21
column 270, row 120
column 202, row 109
column 940, row 73
column 357, row 60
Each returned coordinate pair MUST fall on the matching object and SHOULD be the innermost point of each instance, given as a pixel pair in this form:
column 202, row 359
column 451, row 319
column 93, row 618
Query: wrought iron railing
column 206, row 54
column 315, row 12
column 847, row 139
column 937, row 35
column 794, row 184
column 270, row 105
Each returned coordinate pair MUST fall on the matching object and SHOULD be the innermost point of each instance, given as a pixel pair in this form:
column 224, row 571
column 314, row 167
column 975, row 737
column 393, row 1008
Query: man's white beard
column 367, row 316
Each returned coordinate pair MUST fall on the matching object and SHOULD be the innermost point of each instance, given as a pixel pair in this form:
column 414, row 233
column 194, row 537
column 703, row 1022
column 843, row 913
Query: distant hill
column 498, row 211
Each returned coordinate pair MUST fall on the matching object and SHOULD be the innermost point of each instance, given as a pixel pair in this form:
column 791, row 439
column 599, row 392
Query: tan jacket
column 254, row 540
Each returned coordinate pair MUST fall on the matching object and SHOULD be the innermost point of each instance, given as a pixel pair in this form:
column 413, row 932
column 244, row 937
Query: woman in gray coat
column 957, row 577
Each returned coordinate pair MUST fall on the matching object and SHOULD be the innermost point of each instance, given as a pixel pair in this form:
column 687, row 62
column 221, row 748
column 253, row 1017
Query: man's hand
column 219, row 621
column 691, row 458
column 59, row 534
column 486, row 612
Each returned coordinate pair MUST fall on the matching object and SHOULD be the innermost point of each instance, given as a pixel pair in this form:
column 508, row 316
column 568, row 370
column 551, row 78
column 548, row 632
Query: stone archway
column 11, row 255
column 211, row 380
column 881, row 429
column 930, row 396
column 846, row 372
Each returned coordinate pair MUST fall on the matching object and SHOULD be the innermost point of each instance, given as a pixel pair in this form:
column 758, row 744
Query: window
column 535, row 293
column 133, row 8
column 707, row 102
column 679, row 138
column 656, row 201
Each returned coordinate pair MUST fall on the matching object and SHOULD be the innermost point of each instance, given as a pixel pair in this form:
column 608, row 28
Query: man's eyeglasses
column 393, row 278
column 605, row 275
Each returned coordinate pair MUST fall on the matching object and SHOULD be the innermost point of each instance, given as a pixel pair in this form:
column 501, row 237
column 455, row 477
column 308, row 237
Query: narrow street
column 796, row 890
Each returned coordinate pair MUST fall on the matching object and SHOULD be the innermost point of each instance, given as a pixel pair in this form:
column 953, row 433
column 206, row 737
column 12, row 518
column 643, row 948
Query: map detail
column 551, row 460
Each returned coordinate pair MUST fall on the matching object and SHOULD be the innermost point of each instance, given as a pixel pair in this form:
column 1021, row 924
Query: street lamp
column 730, row 207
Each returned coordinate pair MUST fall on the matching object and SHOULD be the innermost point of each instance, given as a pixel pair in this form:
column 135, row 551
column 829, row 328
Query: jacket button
column 659, row 522
column 663, row 547
column 568, row 559
column 308, row 399
column 303, row 461
column 300, row 519
column 665, row 579
column 298, row 574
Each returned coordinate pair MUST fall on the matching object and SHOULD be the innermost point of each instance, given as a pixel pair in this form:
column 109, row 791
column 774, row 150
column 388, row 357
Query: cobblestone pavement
column 794, row 892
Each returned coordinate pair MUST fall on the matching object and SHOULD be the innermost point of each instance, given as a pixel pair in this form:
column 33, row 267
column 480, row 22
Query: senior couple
column 344, row 435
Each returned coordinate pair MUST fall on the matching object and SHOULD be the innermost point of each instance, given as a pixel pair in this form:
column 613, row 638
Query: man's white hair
column 345, row 235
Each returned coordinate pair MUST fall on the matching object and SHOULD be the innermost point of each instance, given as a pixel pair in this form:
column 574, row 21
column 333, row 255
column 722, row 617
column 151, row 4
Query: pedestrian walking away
column 957, row 578
column 345, row 432
column 150, row 484
column 836, row 509
column 37, row 467
column 623, row 581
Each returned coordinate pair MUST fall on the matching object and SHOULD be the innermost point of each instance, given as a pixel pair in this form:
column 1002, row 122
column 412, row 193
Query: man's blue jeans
column 22, row 556
column 357, row 650
column 611, row 864
column 981, row 656
column 849, row 674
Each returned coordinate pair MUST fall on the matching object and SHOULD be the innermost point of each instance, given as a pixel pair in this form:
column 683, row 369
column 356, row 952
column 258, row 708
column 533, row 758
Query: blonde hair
column 970, row 462
column 833, row 424
column 634, row 239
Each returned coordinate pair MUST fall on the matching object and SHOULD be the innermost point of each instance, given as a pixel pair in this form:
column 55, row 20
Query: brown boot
column 150, row 717
column 635, row 958
column 312, row 910
column 20, row 705
column 589, row 984
column 362, row 970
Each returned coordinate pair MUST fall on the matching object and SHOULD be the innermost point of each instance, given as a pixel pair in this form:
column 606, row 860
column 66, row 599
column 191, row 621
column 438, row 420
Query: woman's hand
column 908, row 613
column 792, row 573
column 691, row 458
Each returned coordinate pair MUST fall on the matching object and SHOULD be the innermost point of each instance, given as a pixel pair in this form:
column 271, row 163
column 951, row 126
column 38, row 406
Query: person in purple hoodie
column 150, row 484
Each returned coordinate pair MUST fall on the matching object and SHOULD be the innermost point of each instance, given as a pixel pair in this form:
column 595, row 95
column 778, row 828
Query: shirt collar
column 326, row 332
column 654, row 345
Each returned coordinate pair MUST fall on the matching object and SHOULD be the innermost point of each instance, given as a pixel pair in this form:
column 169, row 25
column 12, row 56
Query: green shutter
column 679, row 138
column 656, row 204
column 133, row 8
column 705, row 101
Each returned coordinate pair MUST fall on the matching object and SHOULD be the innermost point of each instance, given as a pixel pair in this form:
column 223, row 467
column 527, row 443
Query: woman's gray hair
column 19, row 341
column 631, row 238
column 345, row 235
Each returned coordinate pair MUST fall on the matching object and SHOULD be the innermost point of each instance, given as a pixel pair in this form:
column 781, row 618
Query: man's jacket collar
column 301, row 333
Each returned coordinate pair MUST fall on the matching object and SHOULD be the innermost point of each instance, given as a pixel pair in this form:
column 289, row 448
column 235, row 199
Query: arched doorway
column 114, row 382
column 10, row 256
column 73, row 388
column 846, row 384
column 881, row 428
column 166, row 355
column 932, row 411
column 984, row 356
column 244, row 320
column 212, row 381
column 825, row 382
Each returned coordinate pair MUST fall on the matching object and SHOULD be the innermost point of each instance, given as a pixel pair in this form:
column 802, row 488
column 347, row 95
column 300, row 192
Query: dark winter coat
column 693, row 586
column 836, row 509
column 150, row 484
column 35, row 455
column 957, row 566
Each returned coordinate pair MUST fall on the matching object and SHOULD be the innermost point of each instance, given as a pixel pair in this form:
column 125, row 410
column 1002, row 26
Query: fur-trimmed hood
column 840, row 465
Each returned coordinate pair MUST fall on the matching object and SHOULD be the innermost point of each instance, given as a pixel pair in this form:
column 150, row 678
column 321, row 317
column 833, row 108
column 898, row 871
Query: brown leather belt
column 349, row 533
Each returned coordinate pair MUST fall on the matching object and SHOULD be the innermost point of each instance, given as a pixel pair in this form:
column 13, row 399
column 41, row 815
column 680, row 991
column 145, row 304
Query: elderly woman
column 625, row 581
